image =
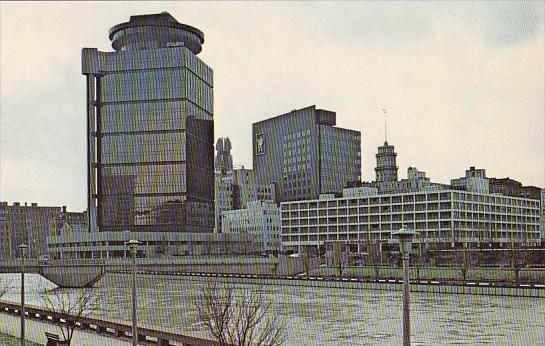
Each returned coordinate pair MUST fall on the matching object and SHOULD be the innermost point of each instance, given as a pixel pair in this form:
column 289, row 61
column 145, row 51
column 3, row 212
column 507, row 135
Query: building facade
column 447, row 218
column 511, row 187
column 83, row 245
column 68, row 222
column 261, row 219
column 304, row 155
column 31, row 225
column 150, row 129
column 475, row 180
column 236, row 189
column 223, row 162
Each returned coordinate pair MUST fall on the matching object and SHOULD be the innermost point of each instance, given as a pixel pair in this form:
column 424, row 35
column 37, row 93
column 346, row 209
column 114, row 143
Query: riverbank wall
column 424, row 286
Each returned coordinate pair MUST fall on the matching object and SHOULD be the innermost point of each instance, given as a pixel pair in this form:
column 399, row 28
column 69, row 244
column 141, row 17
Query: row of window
column 404, row 200
column 457, row 196
column 156, row 84
column 147, row 147
column 149, row 179
column 149, row 116
column 407, row 212
column 444, row 236
column 125, row 211
column 485, row 229
column 156, row 59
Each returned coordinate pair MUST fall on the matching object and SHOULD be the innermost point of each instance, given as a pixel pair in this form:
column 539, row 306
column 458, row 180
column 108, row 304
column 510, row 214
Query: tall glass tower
column 150, row 129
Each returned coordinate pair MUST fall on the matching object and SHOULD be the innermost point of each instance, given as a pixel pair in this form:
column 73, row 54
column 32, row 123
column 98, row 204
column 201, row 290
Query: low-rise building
column 261, row 219
column 235, row 189
column 30, row 225
column 68, row 222
column 474, row 181
column 79, row 245
column 511, row 187
column 444, row 218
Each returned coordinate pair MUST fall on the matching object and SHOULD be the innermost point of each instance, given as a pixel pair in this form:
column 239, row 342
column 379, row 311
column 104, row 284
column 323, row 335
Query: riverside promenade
column 90, row 330
column 35, row 332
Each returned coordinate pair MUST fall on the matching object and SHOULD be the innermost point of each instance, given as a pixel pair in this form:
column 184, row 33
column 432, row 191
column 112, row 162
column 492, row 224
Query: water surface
column 329, row 316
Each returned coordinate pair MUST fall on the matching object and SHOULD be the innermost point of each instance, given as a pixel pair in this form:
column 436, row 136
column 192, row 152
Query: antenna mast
column 385, row 126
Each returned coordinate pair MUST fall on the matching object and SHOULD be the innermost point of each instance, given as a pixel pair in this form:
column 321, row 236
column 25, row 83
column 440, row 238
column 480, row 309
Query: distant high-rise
column 223, row 162
column 236, row 189
column 150, row 129
column 304, row 155
column 386, row 169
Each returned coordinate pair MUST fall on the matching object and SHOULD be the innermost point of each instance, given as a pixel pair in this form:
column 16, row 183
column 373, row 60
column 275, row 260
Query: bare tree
column 518, row 259
column 423, row 258
column 305, row 259
column 339, row 257
column 463, row 259
column 78, row 305
column 373, row 256
column 4, row 287
column 243, row 320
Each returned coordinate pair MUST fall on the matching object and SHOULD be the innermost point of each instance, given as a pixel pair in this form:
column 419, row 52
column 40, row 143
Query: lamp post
column 405, row 236
column 133, row 248
column 22, row 252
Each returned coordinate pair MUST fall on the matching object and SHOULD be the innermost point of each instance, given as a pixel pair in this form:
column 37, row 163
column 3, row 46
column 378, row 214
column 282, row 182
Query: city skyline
column 479, row 65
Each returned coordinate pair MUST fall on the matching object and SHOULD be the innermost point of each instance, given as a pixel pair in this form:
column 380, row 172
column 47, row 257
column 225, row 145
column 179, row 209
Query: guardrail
column 534, row 290
column 148, row 335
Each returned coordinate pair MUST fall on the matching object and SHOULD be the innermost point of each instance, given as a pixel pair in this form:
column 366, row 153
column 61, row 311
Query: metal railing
column 107, row 327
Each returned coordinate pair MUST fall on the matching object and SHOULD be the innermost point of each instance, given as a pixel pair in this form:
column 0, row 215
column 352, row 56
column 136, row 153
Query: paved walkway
column 35, row 332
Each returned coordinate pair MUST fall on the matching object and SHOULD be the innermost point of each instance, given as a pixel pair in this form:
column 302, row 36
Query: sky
column 462, row 82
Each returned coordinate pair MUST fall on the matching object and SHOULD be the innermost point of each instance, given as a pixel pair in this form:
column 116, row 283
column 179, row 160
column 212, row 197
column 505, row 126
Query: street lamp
column 133, row 248
column 22, row 252
column 405, row 236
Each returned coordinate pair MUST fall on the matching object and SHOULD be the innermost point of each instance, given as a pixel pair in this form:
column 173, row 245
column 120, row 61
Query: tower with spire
column 386, row 169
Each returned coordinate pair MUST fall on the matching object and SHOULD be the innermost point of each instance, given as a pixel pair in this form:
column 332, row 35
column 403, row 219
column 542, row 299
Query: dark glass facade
column 151, row 130
column 304, row 155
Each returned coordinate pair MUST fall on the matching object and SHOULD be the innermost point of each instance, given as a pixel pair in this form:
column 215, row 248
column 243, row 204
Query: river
column 328, row 316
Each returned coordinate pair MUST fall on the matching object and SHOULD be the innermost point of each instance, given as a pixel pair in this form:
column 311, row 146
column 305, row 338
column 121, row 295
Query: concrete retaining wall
column 390, row 285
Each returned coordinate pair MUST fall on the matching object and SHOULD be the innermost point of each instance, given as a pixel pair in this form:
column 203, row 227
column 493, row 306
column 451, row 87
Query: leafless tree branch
column 79, row 305
column 4, row 287
column 239, row 318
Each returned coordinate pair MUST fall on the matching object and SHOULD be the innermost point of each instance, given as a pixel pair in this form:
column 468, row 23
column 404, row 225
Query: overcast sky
column 463, row 82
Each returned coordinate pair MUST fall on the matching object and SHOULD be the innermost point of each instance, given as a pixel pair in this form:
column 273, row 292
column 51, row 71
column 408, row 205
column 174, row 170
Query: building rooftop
column 152, row 31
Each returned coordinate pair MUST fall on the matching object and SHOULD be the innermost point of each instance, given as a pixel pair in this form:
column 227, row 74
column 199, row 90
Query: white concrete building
column 475, row 181
column 447, row 218
column 261, row 219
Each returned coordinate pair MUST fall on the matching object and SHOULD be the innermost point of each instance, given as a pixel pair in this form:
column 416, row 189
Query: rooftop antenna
column 385, row 126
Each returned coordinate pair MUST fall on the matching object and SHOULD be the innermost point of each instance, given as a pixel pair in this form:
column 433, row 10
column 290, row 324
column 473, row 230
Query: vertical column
column 91, row 151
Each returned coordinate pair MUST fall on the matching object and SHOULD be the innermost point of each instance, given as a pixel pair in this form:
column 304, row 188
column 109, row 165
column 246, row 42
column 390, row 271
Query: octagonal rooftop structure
column 153, row 31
